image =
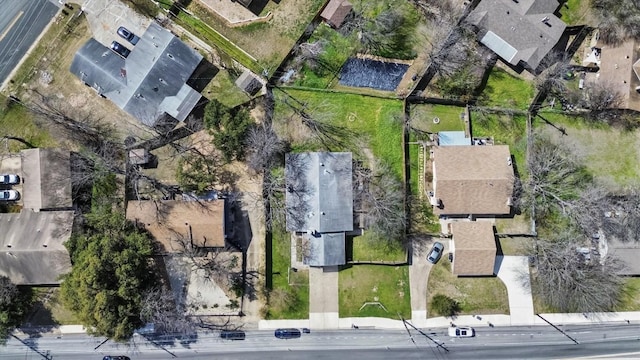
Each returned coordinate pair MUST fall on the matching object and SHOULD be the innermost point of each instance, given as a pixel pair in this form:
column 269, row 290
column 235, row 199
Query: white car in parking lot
column 461, row 331
column 9, row 179
column 9, row 195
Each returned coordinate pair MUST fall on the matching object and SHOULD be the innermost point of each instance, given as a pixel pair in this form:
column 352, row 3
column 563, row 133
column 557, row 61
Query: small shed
column 138, row 156
column 335, row 12
column 248, row 83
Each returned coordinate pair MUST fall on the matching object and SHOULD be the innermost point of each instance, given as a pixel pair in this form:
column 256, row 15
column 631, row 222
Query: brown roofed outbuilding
column 335, row 12
column 474, row 248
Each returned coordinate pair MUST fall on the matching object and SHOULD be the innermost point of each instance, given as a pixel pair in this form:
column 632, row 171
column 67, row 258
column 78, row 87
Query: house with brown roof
column 335, row 12
column 171, row 222
column 472, row 180
column 620, row 69
column 521, row 32
column 474, row 248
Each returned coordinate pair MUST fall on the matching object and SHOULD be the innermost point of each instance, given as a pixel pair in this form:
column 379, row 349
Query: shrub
column 444, row 305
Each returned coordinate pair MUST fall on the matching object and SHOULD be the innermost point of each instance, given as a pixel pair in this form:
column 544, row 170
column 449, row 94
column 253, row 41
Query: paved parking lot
column 12, row 164
column 105, row 16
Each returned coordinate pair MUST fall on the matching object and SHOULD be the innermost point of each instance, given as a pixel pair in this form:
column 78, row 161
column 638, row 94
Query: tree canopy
column 111, row 269
column 229, row 129
column 13, row 305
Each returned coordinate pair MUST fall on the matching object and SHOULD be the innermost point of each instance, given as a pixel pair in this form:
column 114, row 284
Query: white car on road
column 461, row 332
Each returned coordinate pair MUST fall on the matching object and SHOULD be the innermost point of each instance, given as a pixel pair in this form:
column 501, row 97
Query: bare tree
column 159, row 307
column 264, row 147
column 618, row 19
column 555, row 178
column 570, row 282
column 219, row 265
column 556, row 65
column 379, row 197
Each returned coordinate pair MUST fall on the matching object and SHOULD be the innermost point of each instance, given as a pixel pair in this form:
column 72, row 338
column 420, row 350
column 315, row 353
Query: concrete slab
column 323, row 297
column 418, row 277
column 105, row 16
column 514, row 272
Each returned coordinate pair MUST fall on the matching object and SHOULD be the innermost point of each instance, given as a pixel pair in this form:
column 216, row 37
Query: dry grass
column 484, row 295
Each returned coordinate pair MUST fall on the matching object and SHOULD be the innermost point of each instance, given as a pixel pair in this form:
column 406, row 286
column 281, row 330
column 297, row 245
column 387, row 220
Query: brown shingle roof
column 474, row 248
column 47, row 179
column 171, row 219
column 616, row 68
column 472, row 180
column 335, row 12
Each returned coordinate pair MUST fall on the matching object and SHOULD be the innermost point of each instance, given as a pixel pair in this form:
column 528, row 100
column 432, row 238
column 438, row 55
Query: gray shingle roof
column 47, row 179
column 319, row 192
column 326, row 249
column 523, row 31
column 31, row 248
column 150, row 82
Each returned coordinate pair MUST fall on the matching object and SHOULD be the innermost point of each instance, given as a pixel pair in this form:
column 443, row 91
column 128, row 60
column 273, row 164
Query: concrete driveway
column 323, row 297
column 419, row 276
column 514, row 273
column 105, row 16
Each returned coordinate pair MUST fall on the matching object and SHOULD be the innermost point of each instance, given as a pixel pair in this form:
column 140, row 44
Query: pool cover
column 372, row 74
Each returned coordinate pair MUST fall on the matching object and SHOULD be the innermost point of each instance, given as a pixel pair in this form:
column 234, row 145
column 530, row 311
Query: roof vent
column 44, row 245
column 170, row 56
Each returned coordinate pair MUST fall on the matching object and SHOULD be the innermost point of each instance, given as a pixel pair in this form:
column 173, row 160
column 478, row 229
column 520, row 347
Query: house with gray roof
column 32, row 249
column 46, row 175
column 521, row 32
column 151, row 84
column 319, row 203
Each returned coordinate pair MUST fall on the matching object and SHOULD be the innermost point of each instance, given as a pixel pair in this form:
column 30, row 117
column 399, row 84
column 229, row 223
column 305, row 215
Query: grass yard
column 48, row 309
column 17, row 121
column 374, row 121
column 484, row 295
column 388, row 285
column 519, row 224
column 610, row 155
column 506, row 91
column 286, row 301
column 514, row 246
column 506, row 130
column 450, row 118
column 631, row 297
column 268, row 42
column 223, row 88
column 576, row 12
column 365, row 249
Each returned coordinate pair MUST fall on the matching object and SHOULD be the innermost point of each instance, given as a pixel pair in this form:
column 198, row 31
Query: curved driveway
column 21, row 22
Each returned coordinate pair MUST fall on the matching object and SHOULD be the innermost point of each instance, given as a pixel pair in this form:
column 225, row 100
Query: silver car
column 436, row 253
column 9, row 195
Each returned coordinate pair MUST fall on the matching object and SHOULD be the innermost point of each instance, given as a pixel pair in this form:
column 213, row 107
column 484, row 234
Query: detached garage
column 474, row 248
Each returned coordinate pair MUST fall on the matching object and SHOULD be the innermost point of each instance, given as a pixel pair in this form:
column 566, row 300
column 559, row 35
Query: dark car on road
column 121, row 357
column 120, row 49
column 287, row 333
column 128, row 35
column 232, row 335
column 435, row 253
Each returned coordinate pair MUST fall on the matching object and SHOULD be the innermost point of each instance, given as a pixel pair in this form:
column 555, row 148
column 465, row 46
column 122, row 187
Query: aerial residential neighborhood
column 319, row 179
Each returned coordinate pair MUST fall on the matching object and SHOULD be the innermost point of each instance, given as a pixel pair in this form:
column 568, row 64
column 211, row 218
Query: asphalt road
column 539, row 342
column 21, row 22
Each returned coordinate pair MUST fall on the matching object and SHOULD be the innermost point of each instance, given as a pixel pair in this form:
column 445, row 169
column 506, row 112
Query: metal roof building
column 319, row 203
column 150, row 82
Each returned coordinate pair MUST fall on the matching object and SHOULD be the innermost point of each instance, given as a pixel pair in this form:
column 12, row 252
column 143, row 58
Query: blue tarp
column 372, row 74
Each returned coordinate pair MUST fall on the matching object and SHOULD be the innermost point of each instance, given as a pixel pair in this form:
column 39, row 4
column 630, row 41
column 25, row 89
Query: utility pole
column 557, row 328
column 440, row 345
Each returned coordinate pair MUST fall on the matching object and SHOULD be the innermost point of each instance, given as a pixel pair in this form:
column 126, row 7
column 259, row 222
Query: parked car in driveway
column 9, row 179
column 435, row 253
column 128, row 35
column 287, row 333
column 463, row 331
column 120, row 49
column 9, row 195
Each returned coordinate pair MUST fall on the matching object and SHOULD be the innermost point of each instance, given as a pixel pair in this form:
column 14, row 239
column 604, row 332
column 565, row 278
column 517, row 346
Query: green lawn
column 576, row 12
column 450, row 118
column 507, row 130
column 376, row 122
column 609, row 154
column 365, row 249
column 515, row 246
column 388, row 285
column 631, row 297
column 507, row 91
column 48, row 309
column 484, row 295
column 286, row 301
column 18, row 122
column 224, row 89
